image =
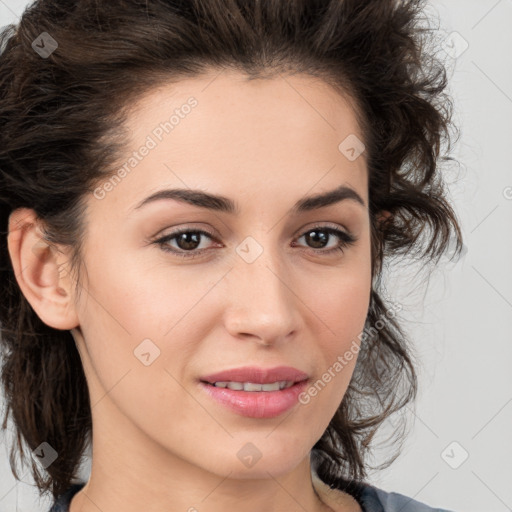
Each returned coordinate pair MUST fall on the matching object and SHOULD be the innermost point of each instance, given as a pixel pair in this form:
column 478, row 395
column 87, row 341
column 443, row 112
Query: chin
column 258, row 459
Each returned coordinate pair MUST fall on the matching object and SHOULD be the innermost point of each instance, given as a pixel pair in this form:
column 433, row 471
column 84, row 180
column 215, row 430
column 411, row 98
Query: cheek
column 340, row 309
column 142, row 294
column 340, row 302
column 123, row 322
column 143, row 319
column 340, row 317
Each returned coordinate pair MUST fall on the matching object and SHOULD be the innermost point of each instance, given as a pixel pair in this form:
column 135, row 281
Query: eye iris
column 186, row 237
column 317, row 235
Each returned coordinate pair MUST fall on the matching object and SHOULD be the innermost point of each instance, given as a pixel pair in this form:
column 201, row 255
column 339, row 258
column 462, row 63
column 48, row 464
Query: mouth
column 253, row 386
column 254, row 378
column 255, row 400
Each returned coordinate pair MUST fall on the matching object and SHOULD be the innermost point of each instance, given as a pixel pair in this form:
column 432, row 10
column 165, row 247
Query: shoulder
column 368, row 497
column 378, row 500
column 62, row 502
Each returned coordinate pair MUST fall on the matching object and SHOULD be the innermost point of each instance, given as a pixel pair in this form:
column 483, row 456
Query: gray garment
column 377, row 500
column 370, row 498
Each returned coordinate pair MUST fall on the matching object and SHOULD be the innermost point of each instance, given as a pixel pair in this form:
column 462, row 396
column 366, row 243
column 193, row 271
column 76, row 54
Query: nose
column 262, row 304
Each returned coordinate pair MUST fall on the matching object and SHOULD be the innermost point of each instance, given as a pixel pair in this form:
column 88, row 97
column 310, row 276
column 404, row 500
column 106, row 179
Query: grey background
column 461, row 324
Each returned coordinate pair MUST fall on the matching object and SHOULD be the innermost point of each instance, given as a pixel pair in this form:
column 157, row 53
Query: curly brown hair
column 61, row 126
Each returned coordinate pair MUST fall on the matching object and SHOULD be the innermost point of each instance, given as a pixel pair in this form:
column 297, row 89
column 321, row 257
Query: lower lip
column 257, row 404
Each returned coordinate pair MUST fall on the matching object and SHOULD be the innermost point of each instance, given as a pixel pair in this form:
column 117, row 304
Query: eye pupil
column 317, row 235
column 186, row 238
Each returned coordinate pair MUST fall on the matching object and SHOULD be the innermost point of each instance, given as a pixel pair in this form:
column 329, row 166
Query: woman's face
column 264, row 286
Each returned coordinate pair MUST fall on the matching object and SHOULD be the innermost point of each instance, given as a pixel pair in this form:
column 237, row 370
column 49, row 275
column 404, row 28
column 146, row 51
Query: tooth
column 271, row 387
column 251, row 386
column 236, row 386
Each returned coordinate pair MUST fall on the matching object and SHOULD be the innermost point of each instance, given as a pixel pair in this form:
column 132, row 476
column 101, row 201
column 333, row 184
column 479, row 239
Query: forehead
column 228, row 99
column 223, row 131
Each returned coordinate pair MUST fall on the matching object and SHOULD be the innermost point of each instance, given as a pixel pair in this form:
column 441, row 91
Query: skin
column 159, row 442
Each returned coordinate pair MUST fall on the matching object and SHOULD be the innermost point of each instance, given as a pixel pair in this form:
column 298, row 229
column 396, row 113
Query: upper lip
column 257, row 375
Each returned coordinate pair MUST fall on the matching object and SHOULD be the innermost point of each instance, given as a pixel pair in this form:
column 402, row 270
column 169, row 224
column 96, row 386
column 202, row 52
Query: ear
column 37, row 266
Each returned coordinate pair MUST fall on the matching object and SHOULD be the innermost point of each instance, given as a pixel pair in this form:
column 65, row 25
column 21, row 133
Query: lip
column 256, row 404
column 257, row 375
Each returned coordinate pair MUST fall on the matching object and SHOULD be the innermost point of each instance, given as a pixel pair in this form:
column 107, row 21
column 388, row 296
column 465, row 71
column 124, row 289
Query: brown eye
column 186, row 240
column 319, row 237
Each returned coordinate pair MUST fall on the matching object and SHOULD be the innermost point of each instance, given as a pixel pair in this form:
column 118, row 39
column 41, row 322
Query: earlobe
column 36, row 265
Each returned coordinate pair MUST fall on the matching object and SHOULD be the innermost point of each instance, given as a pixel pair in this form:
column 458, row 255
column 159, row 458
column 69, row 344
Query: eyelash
column 346, row 240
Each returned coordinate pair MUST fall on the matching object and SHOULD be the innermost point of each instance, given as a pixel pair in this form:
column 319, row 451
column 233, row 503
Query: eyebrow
column 224, row 204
